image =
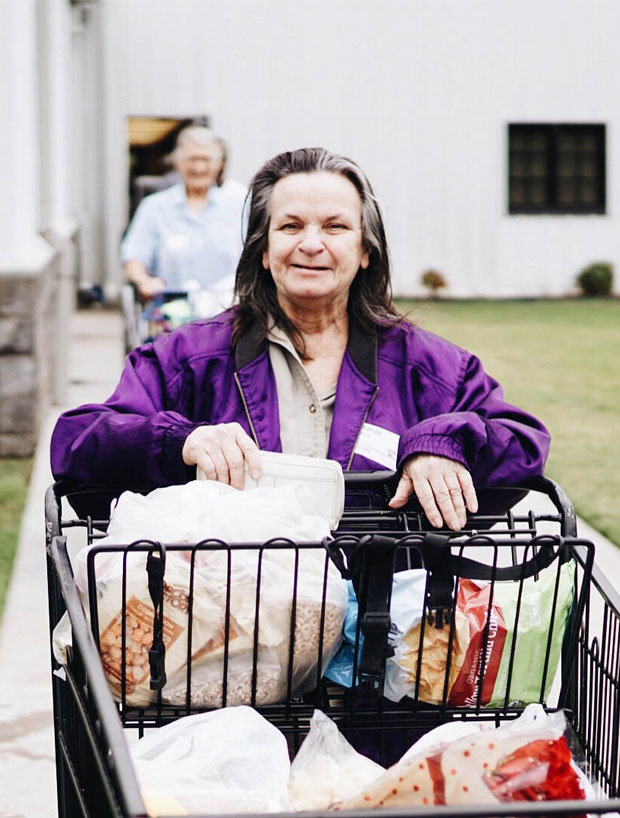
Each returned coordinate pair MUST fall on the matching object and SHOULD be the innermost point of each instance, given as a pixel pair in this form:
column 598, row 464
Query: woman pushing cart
column 315, row 360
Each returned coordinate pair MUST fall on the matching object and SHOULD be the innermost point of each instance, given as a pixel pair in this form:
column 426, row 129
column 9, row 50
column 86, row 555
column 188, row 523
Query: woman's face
column 199, row 165
column 315, row 244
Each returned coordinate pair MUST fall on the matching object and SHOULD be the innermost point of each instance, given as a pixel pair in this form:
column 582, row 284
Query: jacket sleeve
column 499, row 443
column 133, row 439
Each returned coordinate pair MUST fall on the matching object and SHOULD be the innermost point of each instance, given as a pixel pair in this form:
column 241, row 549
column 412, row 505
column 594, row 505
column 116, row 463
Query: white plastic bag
column 222, row 580
column 327, row 768
column 229, row 760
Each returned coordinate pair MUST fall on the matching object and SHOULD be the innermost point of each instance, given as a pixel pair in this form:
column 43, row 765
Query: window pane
column 538, row 194
column 556, row 168
column 589, row 168
column 588, row 193
column 566, row 164
column 517, row 193
column 538, row 165
column 566, row 193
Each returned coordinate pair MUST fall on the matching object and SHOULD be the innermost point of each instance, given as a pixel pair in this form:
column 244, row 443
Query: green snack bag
column 530, row 634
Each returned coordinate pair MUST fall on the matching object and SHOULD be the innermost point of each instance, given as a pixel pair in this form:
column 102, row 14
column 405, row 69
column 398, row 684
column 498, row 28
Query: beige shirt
column 305, row 416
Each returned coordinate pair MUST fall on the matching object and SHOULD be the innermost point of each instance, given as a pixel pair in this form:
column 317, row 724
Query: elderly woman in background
column 190, row 232
column 314, row 360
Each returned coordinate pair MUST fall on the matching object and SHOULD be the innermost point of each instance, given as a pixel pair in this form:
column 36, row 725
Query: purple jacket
column 435, row 395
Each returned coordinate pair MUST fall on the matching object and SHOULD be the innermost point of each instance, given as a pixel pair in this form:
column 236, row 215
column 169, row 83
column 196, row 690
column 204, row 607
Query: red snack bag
column 472, row 602
column 538, row 771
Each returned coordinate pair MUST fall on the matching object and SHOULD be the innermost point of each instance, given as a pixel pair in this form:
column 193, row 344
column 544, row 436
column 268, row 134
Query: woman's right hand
column 150, row 287
column 221, row 451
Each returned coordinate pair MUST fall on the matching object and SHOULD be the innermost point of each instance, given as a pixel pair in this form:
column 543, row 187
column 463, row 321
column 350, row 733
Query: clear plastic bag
column 229, row 760
column 289, row 585
column 327, row 768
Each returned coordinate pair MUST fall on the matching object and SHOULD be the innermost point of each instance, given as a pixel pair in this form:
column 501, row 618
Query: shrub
column 433, row 281
column 596, row 279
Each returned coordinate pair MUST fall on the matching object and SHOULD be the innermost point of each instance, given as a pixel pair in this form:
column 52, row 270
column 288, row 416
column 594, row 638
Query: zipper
column 247, row 411
column 366, row 413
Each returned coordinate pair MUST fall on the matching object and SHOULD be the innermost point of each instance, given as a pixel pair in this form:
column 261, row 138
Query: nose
column 311, row 242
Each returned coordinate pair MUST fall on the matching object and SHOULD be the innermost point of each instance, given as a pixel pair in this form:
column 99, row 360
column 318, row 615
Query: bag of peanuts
column 262, row 618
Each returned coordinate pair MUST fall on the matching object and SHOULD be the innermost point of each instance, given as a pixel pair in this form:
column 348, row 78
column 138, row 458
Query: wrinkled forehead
column 317, row 191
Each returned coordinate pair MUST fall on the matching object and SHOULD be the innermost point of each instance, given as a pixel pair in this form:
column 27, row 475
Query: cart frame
column 94, row 771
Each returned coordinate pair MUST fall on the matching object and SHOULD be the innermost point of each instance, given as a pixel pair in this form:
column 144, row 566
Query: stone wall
column 35, row 309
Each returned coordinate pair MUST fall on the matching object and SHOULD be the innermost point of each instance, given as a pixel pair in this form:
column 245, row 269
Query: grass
column 561, row 361
column 14, row 476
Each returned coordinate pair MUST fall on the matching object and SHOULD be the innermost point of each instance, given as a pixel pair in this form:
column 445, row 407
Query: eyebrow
column 330, row 218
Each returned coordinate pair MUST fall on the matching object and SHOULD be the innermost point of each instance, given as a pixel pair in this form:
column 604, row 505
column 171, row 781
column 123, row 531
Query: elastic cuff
column 173, row 466
column 440, row 445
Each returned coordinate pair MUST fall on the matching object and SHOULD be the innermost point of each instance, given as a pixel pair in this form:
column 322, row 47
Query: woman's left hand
column 443, row 487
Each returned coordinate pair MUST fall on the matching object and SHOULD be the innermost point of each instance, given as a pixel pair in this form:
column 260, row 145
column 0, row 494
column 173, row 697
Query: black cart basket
column 117, row 672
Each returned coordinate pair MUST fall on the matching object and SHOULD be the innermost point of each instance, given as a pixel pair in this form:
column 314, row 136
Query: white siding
column 419, row 92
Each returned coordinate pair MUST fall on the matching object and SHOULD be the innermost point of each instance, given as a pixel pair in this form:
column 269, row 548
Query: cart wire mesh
column 95, row 775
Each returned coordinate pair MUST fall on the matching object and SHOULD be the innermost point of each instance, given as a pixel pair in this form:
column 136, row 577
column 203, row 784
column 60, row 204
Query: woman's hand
column 443, row 487
column 221, row 451
column 150, row 287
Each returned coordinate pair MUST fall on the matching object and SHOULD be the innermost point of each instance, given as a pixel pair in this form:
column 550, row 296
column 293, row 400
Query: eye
column 290, row 227
column 336, row 227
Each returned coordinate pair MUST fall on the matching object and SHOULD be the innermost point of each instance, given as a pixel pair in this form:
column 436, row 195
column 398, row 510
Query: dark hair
column 370, row 296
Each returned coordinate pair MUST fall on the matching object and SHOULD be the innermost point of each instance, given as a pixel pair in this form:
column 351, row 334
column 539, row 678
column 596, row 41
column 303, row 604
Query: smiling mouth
column 311, row 269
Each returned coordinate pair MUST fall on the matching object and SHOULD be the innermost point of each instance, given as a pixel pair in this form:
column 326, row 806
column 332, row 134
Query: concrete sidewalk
column 27, row 766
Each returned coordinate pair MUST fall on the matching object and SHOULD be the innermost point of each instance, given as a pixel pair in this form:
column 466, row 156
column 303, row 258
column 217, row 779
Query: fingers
column 251, row 453
column 221, row 452
column 426, row 496
column 451, row 502
column 444, row 489
column 403, row 491
column 469, row 492
column 150, row 287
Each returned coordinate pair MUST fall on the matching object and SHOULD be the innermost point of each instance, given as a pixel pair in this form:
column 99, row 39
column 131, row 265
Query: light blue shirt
column 180, row 246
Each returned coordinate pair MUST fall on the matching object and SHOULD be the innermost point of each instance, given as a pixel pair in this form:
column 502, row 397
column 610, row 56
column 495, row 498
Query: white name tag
column 379, row 445
column 176, row 241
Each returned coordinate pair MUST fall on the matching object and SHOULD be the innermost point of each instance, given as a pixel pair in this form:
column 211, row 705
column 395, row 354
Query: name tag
column 379, row 445
column 176, row 241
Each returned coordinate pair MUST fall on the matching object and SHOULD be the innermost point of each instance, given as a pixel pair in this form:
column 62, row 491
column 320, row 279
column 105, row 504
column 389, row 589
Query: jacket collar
column 361, row 346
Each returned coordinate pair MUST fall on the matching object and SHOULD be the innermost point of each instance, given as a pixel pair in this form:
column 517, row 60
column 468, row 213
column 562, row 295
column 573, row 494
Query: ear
column 265, row 260
column 365, row 260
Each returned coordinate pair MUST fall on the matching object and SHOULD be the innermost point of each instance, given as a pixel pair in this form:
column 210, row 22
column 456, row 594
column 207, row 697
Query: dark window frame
column 551, row 135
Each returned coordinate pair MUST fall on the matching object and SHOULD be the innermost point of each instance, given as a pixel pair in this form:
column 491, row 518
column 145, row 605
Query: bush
column 597, row 279
column 432, row 280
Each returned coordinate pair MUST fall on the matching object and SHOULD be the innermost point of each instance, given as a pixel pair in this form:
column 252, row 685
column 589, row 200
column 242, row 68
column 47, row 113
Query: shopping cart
column 94, row 772
column 170, row 309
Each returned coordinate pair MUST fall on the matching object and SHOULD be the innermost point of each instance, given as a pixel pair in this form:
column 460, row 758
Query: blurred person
column 189, row 235
column 314, row 360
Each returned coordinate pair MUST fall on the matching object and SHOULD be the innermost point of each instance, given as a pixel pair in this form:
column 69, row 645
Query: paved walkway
column 27, row 771
column 27, row 767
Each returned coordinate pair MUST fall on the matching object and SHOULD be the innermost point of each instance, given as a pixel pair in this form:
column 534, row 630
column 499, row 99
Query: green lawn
column 14, row 476
column 561, row 361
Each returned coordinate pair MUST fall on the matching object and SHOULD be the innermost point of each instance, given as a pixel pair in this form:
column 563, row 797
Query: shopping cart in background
column 170, row 309
column 498, row 546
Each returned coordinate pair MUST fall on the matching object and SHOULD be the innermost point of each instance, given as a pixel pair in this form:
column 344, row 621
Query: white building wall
column 419, row 92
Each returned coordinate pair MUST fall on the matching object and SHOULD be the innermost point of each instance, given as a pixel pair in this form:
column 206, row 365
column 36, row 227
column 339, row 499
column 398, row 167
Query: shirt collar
column 178, row 194
column 361, row 346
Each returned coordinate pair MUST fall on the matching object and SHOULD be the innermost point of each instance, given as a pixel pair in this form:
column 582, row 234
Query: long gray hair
column 370, row 296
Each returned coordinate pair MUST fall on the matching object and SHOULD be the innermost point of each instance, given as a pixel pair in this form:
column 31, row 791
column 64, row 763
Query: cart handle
column 378, row 479
column 388, row 480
